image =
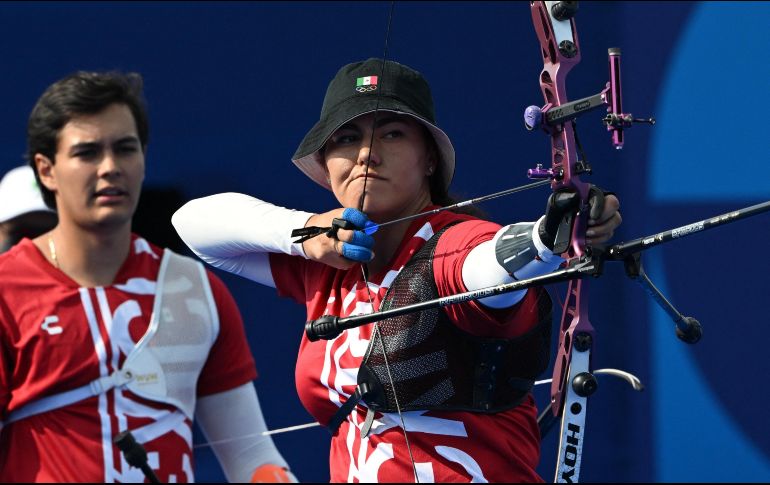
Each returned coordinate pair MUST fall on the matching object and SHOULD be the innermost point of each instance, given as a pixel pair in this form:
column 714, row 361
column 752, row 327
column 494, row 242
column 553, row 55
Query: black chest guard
column 435, row 365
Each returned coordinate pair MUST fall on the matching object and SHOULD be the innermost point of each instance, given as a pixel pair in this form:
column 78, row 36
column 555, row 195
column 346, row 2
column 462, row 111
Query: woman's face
column 400, row 163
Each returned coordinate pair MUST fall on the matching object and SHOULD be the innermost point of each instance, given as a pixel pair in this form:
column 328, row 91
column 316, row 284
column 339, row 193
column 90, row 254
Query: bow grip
column 563, row 234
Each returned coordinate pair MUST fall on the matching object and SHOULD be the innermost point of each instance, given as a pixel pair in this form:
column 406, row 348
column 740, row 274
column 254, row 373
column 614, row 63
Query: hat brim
column 20, row 194
column 308, row 157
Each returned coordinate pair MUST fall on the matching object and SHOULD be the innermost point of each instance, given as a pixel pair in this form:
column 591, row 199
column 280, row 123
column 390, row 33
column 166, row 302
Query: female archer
column 441, row 395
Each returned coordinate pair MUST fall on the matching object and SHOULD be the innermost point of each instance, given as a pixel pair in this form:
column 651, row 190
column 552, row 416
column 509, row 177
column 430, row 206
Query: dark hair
column 81, row 93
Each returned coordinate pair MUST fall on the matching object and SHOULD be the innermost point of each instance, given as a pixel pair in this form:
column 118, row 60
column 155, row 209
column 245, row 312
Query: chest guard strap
column 437, row 366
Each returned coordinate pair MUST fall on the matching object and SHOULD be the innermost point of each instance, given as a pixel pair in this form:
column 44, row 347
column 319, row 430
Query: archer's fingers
column 355, row 245
column 604, row 231
column 610, row 207
column 596, row 202
column 358, row 218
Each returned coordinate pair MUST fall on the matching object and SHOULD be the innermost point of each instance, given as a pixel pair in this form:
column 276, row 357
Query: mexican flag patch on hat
column 366, row 81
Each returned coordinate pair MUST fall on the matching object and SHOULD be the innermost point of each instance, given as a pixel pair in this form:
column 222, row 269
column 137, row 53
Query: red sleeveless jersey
column 447, row 446
column 56, row 336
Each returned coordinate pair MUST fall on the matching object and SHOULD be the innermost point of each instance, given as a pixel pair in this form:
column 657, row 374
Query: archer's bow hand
column 602, row 228
column 603, row 218
column 341, row 241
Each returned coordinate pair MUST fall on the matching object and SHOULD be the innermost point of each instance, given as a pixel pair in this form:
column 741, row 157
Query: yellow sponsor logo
column 147, row 378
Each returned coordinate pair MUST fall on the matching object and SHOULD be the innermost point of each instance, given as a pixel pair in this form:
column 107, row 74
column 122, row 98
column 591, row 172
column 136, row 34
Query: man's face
column 99, row 168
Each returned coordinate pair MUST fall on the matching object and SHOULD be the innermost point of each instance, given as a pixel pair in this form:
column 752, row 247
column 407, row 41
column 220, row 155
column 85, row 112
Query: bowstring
column 364, row 270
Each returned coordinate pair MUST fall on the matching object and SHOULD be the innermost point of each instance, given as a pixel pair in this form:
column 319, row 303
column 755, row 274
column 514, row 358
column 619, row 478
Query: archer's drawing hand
column 343, row 247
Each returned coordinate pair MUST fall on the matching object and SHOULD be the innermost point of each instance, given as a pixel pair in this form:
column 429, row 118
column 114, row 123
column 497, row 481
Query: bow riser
column 557, row 63
column 560, row 49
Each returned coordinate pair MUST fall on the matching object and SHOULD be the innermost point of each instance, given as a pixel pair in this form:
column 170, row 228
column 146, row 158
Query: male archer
column 103, row 332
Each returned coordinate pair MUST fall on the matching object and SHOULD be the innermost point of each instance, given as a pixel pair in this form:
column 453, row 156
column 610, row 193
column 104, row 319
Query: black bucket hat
column 356, row 90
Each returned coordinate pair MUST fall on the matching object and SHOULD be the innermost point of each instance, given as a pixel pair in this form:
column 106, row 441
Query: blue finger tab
column 356, row 217
column 360, row 220
column 362, row 239
column 356, row 253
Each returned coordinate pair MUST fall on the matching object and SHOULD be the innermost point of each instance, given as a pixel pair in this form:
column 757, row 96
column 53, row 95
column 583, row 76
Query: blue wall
column 233, row 87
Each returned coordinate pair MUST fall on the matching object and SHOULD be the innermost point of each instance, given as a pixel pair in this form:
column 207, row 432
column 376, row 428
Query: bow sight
column 551, row 117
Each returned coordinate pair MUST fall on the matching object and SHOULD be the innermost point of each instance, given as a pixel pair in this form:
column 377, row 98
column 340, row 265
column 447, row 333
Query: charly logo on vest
column 48, row 326
column 366, row 83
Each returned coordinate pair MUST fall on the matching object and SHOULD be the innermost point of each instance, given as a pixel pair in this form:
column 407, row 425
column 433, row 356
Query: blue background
column 233, row 87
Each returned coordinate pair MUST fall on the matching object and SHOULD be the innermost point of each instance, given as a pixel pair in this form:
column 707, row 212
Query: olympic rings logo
column 363, row 89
